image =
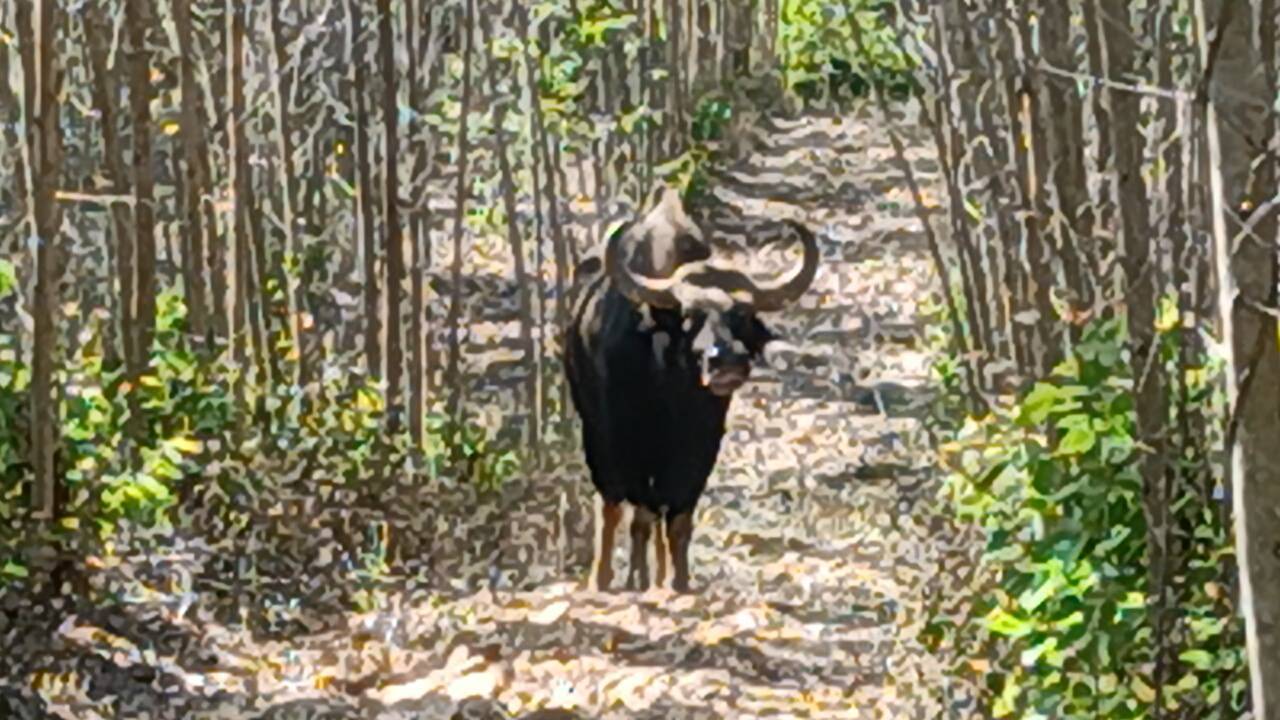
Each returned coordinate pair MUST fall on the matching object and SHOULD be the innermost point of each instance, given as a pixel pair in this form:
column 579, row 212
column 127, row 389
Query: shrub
column 1069, row 623
column 820, row 57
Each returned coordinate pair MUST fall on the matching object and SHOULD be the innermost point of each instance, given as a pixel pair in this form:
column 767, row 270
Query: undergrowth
column 199, row 453
column 1064, row 618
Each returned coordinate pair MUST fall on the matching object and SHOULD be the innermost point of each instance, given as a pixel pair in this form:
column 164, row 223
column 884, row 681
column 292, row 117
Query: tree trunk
column 1047, row 348
column 1140, row 263
column 1063, row 119
column 138, row 19
column 522, row 282
column 452, row 375
column 43, row 79
column 417, row 228
column 236, row 294
column 287, row 270
column 1239, row 124
column 535, row 161
column 197, row 179
column 364, row 171
column 391, row 217
column 105, row 98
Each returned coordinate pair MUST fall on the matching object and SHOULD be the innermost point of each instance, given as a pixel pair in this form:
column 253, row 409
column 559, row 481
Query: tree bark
column 417, row 229
column 198, row 185
column 236, row 257
column 105, row 98
column 138, row 19
column 535, row 162
column 1239, row 125
column 452, row 375
column 364, row 194
column 1140, row 262
column 522, row 282
column 43, row 80
column 391, row 217
column 284, row 146
column 1064, row 120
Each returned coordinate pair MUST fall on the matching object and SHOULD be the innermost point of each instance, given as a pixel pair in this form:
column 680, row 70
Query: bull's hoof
column 600, row 582
column 637, row 582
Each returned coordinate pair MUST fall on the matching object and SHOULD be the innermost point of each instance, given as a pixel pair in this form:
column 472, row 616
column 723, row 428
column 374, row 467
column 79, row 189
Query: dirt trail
column 810, row 556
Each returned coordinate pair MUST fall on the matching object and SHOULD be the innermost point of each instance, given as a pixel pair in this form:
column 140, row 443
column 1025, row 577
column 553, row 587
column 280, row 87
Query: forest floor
column 815, row 546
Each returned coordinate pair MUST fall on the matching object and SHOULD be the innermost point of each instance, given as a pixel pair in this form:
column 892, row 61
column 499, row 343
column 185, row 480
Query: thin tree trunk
column 236, row 294
column 364, row 170
column 544, row 139
column 1064, row 122
column 1140, row 263
column 1238, row 126
column 950, row 154
column 417, row 293
column 284, row 139
column 1099, row 65
column 1048, row 349
column 196, row 149
column 43, row 79
column 452, row 376
column 391, row 217
column 258, row 289
column 535, row 160
column 522, row 282
column 103, row 92
column 138, row 19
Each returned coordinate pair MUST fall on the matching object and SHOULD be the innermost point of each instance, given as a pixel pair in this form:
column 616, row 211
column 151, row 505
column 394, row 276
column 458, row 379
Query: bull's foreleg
column 679, row 532
column 608, row 515
column 638, row 569
column 660, row 551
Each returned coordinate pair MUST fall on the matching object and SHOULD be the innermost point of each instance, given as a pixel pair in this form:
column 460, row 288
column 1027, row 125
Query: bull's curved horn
column 775, row 296
column 638, row 288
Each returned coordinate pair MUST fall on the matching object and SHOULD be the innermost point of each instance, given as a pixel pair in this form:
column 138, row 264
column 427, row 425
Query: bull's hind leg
column 608, row 515
column 679, row 533
column 638, row 569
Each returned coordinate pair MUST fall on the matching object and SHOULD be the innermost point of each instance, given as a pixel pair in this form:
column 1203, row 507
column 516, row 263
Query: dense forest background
column 282, row 284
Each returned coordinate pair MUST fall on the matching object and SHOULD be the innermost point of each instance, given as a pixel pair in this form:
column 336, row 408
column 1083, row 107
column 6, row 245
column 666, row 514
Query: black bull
column 652, row 366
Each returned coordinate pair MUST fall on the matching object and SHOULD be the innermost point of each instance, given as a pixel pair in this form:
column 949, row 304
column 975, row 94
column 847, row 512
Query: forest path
column 811, row 557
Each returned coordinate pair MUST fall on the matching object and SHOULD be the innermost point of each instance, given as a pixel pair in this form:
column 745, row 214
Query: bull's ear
column 593, row 262
column 758, row 335
column 589, row 265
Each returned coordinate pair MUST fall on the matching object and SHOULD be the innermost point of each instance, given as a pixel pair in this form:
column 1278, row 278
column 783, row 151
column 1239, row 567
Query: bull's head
column 718, row 304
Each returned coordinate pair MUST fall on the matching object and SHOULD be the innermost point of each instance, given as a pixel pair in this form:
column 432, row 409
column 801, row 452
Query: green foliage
column 710, row 118
column 470, row 449
column 190, row 441
column 1068, row 625
column 821, row 56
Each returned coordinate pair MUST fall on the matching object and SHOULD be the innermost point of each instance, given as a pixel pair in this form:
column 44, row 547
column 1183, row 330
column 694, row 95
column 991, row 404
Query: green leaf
column 1001, row 622
column 8, row 278
column 1038, row 404
column 154, row 488
column 14, row 569
column 1077, row 441
column 1199, row 659
column 1034, row 598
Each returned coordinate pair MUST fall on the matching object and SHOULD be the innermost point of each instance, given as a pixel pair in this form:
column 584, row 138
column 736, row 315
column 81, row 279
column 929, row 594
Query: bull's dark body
column 661, row 337
column 650, row 429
